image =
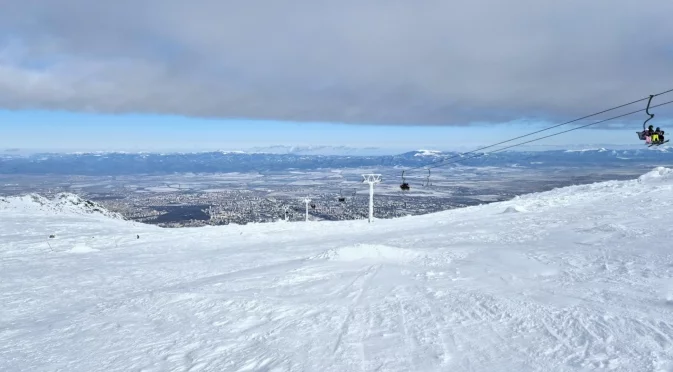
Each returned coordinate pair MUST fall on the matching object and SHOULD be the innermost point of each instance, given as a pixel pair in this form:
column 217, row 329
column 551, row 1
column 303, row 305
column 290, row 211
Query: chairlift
column 341, row 197
column 651, row 139
column 404, row 186
column 427, row 182
column 643, row 135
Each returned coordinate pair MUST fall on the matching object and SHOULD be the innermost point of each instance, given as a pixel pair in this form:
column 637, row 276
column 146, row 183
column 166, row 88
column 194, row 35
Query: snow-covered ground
column 574, row 279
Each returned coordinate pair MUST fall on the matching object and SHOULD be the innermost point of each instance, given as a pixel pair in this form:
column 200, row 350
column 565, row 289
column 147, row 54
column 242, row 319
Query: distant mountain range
column 320, row 150
column 119, row 163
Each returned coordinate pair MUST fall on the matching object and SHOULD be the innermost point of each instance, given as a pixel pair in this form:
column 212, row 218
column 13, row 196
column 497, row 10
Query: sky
column 63, row 131
column 202, row 75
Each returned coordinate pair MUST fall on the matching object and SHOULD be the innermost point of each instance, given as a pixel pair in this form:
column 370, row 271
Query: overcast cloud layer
column 355, row 61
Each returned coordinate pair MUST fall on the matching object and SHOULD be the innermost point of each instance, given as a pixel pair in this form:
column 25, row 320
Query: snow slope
column 573, row 279
column 61, row 203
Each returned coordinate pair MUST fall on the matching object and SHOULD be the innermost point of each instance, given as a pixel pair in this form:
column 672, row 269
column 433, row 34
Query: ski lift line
column 546, row 129
column 555, row 134
column 551, row 135
column 443, row 162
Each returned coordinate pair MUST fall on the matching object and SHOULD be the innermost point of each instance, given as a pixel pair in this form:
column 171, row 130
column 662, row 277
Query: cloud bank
column 425, row 62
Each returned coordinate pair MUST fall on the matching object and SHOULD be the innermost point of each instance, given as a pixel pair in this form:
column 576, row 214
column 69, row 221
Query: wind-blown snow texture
column 573, row 279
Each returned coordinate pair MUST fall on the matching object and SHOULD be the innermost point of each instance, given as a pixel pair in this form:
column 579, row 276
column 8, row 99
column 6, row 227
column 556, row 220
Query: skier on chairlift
column 651, row 136
column 660, row 135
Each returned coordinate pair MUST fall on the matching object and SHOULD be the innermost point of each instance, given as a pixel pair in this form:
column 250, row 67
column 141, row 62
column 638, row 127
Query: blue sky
column 66, row 131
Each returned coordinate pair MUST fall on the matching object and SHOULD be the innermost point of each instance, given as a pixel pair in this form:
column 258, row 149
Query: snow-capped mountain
column 224, row 161
column 434, row 153
column 61, row 203
column 573, row 279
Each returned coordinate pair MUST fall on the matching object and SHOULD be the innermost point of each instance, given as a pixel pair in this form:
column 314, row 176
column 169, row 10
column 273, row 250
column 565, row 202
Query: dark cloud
column 379, row 61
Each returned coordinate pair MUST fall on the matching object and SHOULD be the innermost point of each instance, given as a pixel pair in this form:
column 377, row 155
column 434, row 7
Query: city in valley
column 241, row 197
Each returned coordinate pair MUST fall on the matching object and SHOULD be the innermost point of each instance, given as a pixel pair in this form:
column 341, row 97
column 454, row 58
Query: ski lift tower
column 307, row 201
column 371, row 179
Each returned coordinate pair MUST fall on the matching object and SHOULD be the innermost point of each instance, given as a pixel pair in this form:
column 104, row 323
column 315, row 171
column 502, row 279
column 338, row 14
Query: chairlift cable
column 549, row 128
column 555, row 134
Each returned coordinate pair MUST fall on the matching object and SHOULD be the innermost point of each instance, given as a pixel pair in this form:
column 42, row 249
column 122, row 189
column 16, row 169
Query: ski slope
column 574, row 279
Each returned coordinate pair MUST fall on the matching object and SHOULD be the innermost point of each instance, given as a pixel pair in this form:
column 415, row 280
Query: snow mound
column 515, row 209
column 63, row 203
column 656, row 174
column 82, row 248
column 370, row 252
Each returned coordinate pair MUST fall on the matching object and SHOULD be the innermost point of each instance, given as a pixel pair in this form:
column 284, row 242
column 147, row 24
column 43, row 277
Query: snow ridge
column 658, row 174
column 63, row 203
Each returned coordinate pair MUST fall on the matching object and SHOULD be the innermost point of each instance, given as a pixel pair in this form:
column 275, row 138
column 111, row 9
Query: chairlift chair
column 643, row 136
column 427, row 182
column 404, row 186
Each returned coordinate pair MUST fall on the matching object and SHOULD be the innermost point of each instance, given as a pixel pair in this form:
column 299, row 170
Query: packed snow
column 573, row 279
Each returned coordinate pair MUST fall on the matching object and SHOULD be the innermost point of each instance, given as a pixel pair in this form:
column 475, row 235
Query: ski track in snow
column 574, row 279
